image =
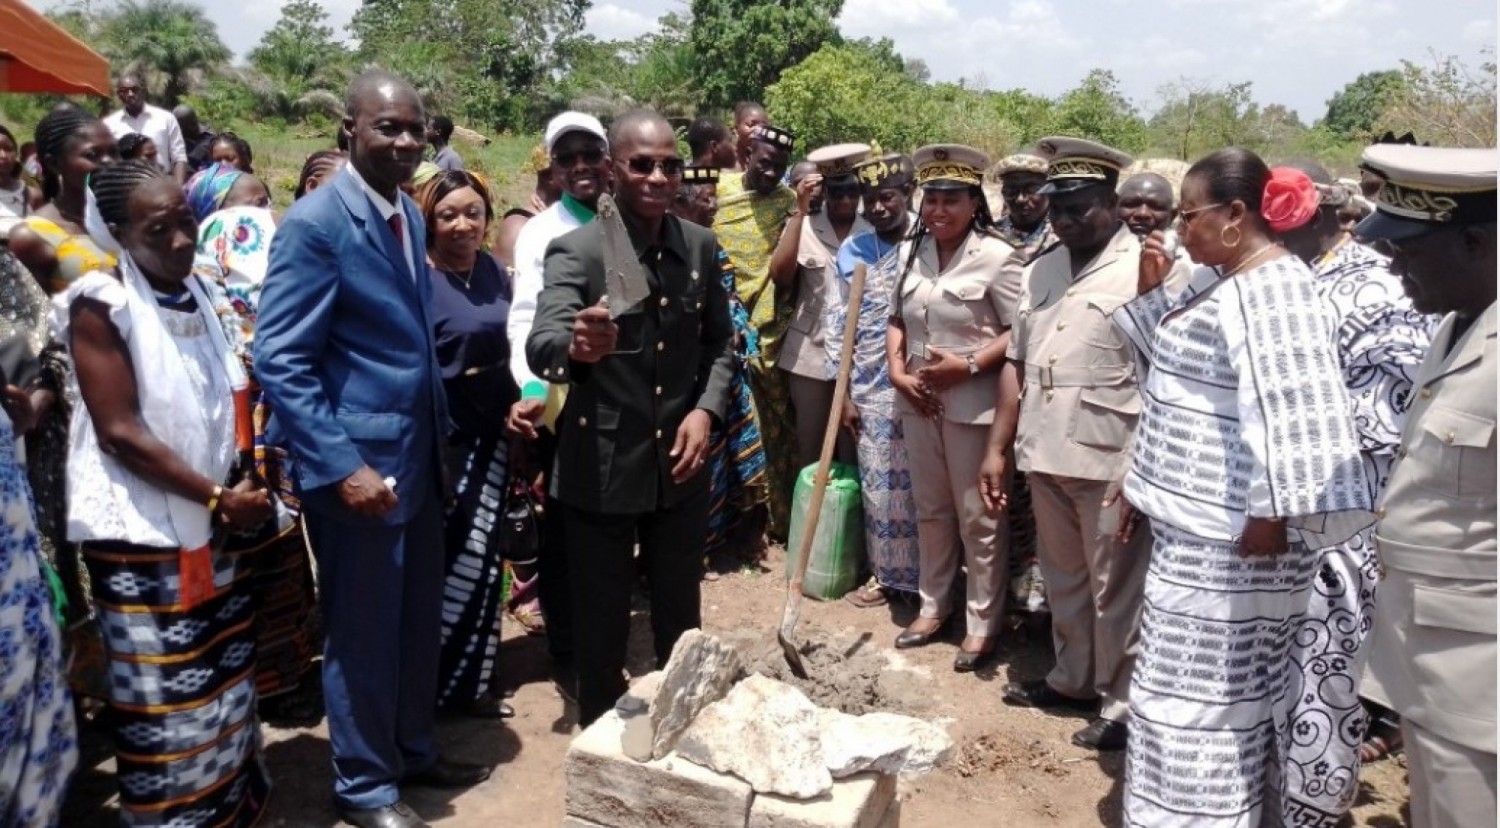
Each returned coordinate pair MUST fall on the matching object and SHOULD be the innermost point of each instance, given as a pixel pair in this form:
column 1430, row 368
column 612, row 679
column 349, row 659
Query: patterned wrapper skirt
column 1209, row 698
column 181, row 688
column 1328, row 719
column 737, row 464
column 285, row 606
column 472, row 585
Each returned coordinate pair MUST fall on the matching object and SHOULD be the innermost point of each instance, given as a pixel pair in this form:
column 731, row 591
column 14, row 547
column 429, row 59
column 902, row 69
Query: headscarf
column 426, row 171
column 539, row 161
column 208, row 188
column 155, row 356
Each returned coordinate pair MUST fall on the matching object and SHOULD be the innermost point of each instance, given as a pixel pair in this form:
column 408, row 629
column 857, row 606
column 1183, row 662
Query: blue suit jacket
column 344, row 350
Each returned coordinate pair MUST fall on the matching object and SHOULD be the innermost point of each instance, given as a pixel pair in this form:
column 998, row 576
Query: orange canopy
column 37, row 55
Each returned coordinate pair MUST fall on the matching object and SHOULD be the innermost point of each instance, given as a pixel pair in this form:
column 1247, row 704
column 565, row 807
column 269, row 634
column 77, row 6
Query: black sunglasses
column 567, row 159
column 670, row 167
column 1076, row 211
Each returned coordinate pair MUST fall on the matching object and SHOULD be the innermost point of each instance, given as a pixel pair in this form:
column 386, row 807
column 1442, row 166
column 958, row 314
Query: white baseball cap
column 574, row 122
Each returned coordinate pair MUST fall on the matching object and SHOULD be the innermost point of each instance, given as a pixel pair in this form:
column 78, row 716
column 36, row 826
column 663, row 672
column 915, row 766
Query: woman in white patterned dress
column 1246, row 461
column 1381, row 341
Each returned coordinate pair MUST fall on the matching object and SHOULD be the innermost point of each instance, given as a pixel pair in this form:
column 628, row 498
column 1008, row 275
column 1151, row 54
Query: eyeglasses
column 670, row 167
column 1186, row 216
column 567, row 159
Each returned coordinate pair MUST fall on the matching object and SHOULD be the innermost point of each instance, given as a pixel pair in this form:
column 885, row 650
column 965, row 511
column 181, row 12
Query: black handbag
column 521, row 527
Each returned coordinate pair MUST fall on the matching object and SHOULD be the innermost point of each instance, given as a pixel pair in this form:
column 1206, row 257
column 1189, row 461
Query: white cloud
column 1479, row 32
column 883, row 18
column 608, row 21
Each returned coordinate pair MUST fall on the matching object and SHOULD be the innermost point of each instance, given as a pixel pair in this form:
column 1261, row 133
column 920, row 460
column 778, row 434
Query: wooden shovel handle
column 831, row 433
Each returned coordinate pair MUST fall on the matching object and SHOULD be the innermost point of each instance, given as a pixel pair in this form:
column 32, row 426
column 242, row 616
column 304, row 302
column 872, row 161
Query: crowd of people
column 1233, row 436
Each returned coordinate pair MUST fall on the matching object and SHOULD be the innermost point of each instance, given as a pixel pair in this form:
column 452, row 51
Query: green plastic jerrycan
column 839, row 543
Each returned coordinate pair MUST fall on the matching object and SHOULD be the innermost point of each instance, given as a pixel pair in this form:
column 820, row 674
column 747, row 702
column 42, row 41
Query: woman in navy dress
column 471, row 293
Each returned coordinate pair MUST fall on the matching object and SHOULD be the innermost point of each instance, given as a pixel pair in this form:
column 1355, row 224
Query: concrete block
column 859, row 801
column 608, row 788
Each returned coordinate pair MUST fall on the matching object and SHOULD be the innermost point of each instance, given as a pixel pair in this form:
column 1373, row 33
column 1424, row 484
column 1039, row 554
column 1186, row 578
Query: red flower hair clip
column 1290, row 199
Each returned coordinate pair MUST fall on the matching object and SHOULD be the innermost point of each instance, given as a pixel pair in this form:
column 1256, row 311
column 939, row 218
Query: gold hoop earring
column 1238, row 235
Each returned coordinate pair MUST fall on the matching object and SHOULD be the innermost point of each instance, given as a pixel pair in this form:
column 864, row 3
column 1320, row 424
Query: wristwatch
column 973, row 364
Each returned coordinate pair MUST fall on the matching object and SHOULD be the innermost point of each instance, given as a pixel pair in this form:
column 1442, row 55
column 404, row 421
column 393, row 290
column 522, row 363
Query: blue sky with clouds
column 1296, row 52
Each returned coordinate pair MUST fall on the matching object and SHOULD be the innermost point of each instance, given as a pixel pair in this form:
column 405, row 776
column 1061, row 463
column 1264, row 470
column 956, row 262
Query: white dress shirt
column 157, row 124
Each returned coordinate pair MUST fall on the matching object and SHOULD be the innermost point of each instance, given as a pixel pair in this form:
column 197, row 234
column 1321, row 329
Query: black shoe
column 909, row 639
column 1041, row 695
column 445, row 774
column 1102, row 735
column 395, row 815
column 967, row 661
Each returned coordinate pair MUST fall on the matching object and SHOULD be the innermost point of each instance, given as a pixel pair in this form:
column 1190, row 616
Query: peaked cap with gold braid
column 1428, row 188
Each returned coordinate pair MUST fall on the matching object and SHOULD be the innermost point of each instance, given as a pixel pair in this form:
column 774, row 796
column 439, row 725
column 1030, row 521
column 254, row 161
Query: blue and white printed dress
column 884, row 473
column 38, row 740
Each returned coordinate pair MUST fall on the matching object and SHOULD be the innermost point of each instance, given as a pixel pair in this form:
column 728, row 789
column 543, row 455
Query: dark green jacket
column 673, row 355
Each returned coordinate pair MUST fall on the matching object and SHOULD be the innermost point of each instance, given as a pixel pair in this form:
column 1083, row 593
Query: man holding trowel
column 634, row 317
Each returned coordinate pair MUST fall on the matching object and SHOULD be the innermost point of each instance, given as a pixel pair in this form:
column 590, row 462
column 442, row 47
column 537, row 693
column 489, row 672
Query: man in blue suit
column 344, row 351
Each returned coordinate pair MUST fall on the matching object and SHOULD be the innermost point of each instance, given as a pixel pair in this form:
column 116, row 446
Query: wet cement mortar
column 845, row 671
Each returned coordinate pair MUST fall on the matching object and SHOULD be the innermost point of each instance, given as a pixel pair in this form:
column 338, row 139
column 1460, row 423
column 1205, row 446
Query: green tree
column 655, row 71
column 491, row 61
column 1353, row 110
column 300, row 45
column 1097, row 110
column 1197, row 117
column 298, row 68
column 847, row 92
column 172, row 41
column 1447, row 103
column 741, row 47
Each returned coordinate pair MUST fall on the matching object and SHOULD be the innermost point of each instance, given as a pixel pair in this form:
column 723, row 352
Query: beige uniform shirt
column 961, row 311
column 1079, row 399
column 802, row 351
column 1433, row 650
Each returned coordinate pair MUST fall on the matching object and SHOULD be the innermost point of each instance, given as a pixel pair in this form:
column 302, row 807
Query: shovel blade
column 786, row 635
column 793, row 656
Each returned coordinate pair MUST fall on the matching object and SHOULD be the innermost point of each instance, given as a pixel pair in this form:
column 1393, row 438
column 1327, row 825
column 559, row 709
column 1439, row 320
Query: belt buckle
column 1045, row 376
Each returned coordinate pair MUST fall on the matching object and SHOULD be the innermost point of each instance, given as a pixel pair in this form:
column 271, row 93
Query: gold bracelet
column 213, row 499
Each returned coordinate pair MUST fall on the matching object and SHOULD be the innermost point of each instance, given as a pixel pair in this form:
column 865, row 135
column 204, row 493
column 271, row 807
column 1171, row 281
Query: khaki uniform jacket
column 1433, row 650
column 673, row 355
column 1079, row 397
column 802, row 350
column 961, row 311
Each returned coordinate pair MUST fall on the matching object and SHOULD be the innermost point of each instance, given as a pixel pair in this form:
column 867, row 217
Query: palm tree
column 170, row 39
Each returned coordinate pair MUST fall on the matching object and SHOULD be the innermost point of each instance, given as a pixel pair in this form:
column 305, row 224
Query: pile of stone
column 702, row 745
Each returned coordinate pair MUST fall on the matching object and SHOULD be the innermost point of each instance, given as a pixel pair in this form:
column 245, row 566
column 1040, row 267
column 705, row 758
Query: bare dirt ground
column 1013, row 767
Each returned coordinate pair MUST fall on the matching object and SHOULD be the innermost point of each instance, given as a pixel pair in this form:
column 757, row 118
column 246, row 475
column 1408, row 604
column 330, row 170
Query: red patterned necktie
column 395, row 222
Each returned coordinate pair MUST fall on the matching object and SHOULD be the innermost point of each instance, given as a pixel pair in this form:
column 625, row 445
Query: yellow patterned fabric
column 748, row 226
column 76, row 255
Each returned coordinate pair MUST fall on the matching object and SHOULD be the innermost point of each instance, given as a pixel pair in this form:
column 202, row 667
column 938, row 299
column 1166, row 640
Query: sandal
column 1382, row 741
column 525, row 606
column 869, row 596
